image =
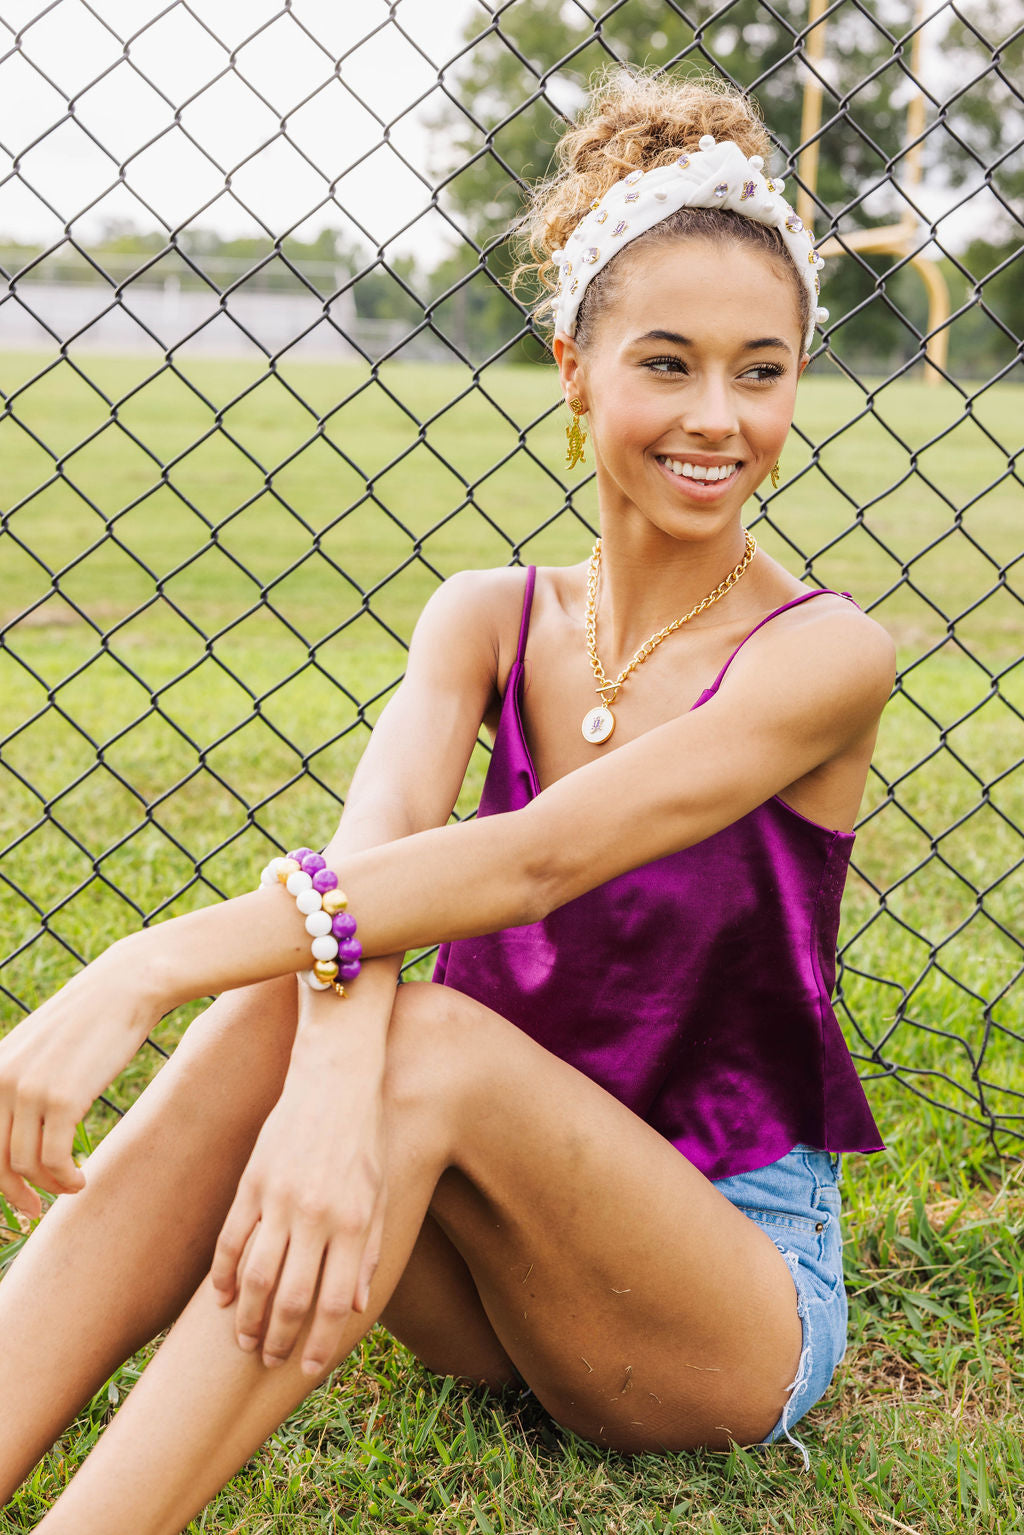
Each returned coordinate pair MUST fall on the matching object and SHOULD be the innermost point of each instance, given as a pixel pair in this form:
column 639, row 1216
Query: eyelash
column 769, row 370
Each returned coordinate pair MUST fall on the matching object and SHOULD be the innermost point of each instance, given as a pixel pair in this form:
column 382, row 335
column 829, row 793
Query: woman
column 599, row 1154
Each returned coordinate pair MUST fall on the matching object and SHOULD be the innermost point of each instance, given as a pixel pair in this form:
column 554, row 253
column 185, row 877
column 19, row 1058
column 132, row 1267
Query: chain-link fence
column 264, row 387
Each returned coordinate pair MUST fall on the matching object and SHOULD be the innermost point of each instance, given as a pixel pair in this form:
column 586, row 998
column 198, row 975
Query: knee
column 433, row 1048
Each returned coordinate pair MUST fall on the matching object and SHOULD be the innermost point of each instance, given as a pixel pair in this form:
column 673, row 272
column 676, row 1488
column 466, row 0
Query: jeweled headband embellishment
column 715, row 175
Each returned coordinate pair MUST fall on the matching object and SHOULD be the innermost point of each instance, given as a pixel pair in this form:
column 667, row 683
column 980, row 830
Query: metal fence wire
column 242, row 439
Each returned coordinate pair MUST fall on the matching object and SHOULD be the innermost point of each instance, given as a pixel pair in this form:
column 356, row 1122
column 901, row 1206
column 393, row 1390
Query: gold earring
column 576, row 435
column 775, row 475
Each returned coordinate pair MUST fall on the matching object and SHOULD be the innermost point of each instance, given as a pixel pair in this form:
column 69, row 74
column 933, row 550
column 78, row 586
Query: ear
column 801, row 365
column 570, row 368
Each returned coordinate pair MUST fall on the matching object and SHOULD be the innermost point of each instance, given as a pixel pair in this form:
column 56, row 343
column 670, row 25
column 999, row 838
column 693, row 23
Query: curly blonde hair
column 639, row 121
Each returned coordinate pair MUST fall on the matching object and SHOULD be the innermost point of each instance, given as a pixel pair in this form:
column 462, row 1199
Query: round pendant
column 598, row 724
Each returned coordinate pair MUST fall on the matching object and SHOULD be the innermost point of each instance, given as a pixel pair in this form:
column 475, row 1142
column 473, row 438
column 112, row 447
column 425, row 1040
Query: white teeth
column 700, row 471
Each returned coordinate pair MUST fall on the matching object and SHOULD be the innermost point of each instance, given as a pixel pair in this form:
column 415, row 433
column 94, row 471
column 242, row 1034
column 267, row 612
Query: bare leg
column 108, row 1268
column 436, row 1311
column 644, row 1310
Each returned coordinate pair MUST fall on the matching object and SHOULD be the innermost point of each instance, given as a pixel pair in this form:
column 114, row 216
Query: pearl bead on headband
column 712, row 176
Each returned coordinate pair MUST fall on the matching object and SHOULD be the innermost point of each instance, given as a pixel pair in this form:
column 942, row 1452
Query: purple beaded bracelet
column 336, row 949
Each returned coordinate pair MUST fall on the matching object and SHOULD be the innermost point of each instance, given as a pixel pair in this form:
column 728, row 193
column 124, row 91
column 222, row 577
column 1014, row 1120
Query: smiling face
column 689, row 381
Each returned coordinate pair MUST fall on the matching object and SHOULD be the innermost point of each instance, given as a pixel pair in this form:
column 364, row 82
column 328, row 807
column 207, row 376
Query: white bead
column 757, row 161
column 309, row 900
column 821, row 315
column 325, row 948
column 269, row 875
column 314, row 982
column 318, row 924
column 707, row 142
column 780, row 185
column 298, row 882
column 661, row 194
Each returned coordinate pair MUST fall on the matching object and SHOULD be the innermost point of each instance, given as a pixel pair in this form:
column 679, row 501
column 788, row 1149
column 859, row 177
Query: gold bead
column 335, row 901
column 286, row 868
column 325, row 969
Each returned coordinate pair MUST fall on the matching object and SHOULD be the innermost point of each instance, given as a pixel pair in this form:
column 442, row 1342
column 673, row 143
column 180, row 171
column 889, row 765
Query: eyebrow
column 762, row 342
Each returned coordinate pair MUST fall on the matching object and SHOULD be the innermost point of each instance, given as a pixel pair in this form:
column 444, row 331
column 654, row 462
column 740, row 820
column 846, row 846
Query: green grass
column 920, row 1430
column 218, row 526
column 139, row 751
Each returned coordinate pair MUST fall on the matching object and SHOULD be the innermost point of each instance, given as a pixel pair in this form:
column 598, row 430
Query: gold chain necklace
column 599, row 722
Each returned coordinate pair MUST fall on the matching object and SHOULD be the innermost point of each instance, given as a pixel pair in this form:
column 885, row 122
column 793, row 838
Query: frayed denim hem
column 823, row 1328
column 796, row 1202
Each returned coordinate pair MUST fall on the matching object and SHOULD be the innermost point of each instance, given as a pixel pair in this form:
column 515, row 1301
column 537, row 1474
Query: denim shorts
column 796, row 1201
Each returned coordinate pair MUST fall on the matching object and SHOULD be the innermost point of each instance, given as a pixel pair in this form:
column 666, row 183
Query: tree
column 983, row 52
column 527, row 71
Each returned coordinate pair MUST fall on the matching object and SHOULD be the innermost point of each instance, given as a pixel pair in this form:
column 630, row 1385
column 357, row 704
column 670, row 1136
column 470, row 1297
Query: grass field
column 210, row 537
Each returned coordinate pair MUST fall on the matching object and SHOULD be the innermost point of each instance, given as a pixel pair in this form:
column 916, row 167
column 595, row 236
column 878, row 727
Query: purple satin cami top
column 697, row 988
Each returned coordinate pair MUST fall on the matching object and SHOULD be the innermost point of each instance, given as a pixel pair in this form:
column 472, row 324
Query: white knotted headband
column 712, row 176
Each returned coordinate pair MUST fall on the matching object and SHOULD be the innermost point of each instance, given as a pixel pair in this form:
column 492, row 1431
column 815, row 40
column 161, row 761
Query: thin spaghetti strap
column 524, row 627
column 794, row 603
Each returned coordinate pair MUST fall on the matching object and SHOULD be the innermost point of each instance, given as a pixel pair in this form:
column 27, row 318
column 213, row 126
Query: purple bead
column 300, row 853
column 349, row 970
column 344, row 924
column 349, row 949
column 313, row 863
column 324, row 880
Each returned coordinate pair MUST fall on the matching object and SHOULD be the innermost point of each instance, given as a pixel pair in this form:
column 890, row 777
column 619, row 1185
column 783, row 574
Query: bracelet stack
column 336, row 949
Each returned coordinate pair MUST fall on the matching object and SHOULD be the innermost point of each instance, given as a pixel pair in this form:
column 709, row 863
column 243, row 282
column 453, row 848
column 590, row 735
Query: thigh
column 641, row 1306
column 436, row 1311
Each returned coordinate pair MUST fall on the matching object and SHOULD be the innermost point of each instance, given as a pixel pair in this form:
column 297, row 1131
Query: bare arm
column 408, row 778
column 56, row 1061
column 797, row 700
column 803, row 697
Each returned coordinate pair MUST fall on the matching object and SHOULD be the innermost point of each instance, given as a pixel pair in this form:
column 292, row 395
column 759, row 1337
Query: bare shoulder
column 474, row 617
column 829, row 645
column 480, row 591
column 847, row 634
column 482, row 599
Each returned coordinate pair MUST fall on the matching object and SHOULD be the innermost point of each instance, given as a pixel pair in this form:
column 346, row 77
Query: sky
column 160, row 119
column 150, row 83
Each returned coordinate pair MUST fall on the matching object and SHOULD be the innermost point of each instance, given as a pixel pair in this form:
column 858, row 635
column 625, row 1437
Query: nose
column 710, row 410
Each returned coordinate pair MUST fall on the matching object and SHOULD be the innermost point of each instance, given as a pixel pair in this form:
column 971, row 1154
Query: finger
column 333, row 1311
column 293, row 1298
column 257, row 1279
column 59, row 1173
column 370, row 1259
column 26, row 1137
column 234, row 1234
column 14, row 1189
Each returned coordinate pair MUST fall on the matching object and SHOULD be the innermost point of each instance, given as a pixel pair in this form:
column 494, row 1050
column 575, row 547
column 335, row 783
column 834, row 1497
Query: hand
column 56, row 1062
column 309, row 1211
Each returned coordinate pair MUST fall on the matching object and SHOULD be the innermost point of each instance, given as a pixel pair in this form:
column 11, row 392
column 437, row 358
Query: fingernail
column 271, row 1361
column 247, row 1343
column 311, row 1367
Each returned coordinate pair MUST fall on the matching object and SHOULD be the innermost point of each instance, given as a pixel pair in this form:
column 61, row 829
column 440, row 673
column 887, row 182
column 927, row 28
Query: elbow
column 546, row 878
column 537, row 901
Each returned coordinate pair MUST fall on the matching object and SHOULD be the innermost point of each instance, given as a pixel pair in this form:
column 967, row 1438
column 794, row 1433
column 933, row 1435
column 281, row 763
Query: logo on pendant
column 598, row 725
